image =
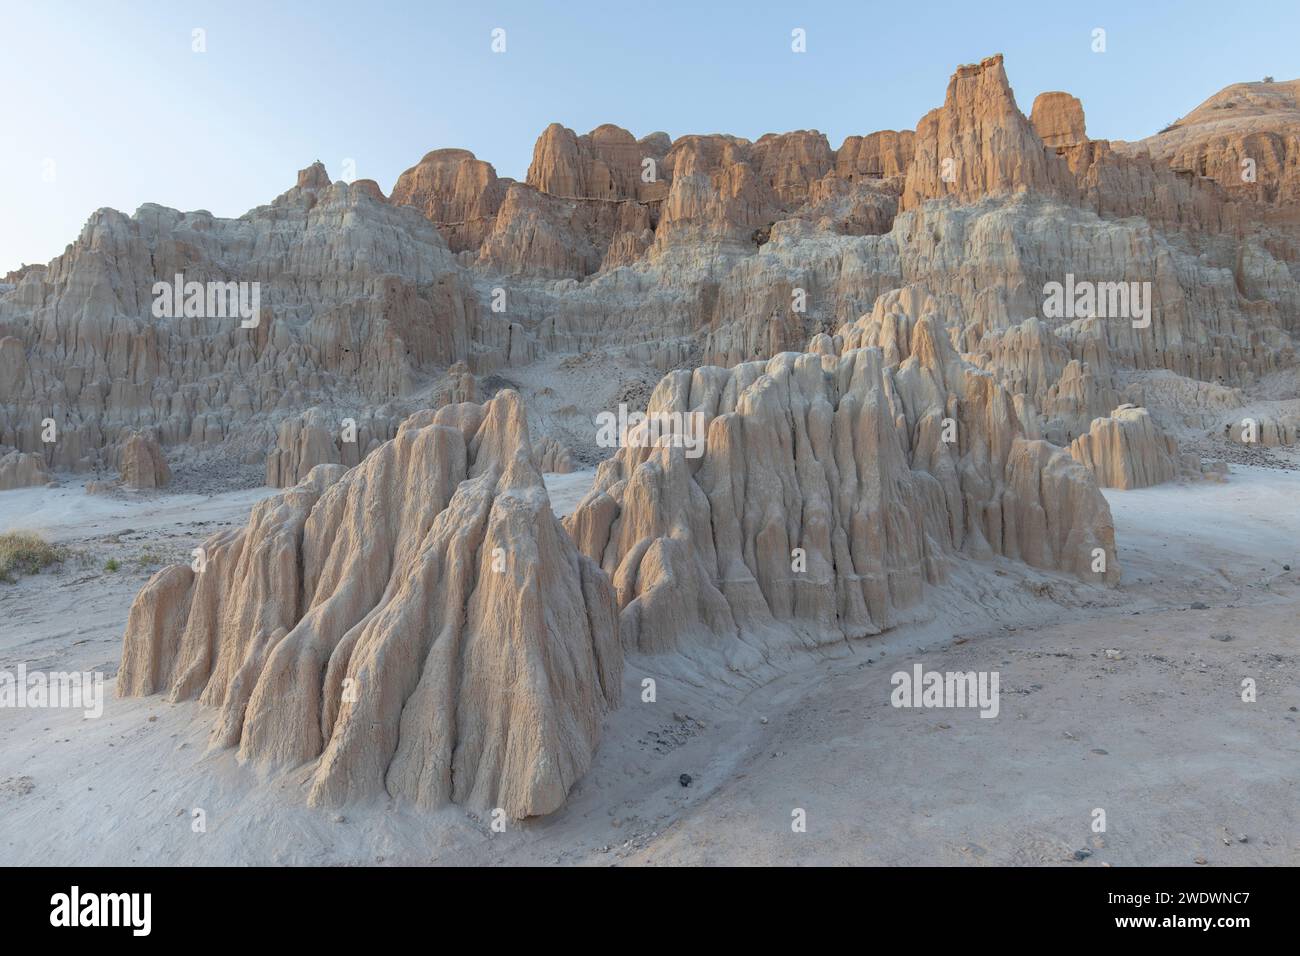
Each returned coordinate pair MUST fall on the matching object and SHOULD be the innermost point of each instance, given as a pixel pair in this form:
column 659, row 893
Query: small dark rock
column 684, row 780
column 1221, row 637
column 1101, row 752
column 1200, row 606
column 1082, row 854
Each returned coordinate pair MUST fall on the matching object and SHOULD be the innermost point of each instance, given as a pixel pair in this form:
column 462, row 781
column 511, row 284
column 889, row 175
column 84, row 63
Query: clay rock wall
column 552, row 456
column 142, row 463
column 458, row 192
column 841, row 456
column 1246, row 138
column 1058, row 120
column 606, row 164
column 1266, row 431
column 1127, row 450
column 317, row 437
column 979, row 143
column 419, row 625
column 355, row 298
column 22, row 470
column 882, row 155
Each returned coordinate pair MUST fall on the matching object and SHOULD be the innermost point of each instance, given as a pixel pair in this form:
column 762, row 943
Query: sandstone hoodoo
column 419, row 625
column 142, row 463
column 833, row 488
column 1127, row 450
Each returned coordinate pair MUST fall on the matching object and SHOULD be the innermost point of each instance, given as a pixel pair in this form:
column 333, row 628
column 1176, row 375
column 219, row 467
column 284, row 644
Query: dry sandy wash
column 374, row 580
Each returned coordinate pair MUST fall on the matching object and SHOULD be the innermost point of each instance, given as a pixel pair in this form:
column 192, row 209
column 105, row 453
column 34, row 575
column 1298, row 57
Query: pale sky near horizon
column 107, row 104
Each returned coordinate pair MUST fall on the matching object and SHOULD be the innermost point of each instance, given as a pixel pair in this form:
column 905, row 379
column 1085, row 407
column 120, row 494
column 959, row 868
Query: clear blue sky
column 111, row 92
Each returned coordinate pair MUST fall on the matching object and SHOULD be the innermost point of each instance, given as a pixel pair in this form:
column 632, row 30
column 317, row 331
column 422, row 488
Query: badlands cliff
column 673, row 253
column 921, row 348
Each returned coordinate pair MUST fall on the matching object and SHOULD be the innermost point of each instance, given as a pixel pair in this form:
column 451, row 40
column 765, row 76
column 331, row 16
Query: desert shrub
column 22, row 552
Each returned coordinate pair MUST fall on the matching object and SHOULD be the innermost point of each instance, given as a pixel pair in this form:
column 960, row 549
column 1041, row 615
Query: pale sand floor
column 1158, row 738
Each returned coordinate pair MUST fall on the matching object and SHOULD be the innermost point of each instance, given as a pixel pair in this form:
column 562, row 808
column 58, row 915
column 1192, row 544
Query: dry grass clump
column 22, row 552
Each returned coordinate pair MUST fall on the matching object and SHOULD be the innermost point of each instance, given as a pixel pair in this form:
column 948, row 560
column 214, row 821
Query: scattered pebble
column 684, row 780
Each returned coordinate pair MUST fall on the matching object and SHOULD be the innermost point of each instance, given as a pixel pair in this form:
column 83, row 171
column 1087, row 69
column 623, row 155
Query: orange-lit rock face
column 607, row 163
column 979, row 143
column 1246, row 138
column 882, row 155
column 459, row 193
column 1058, row 120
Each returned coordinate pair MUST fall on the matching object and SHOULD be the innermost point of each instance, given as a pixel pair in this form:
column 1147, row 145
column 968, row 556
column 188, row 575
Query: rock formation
column 1268, row 432
column 1127, row 450
column 886, row 382
column 142, row 464
column 319, row 437
column 420, row 624
column 458, row 192
column 672, row 252
column 1058, row 120
column 833, row 487
column 552, row 456
column 22, row 470
column 458, row 387
column 1246, row 138
column 978, row 143
column 357, row 301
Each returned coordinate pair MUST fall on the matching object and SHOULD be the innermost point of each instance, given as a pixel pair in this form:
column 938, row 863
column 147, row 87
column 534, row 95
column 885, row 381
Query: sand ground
column 1155, row 732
